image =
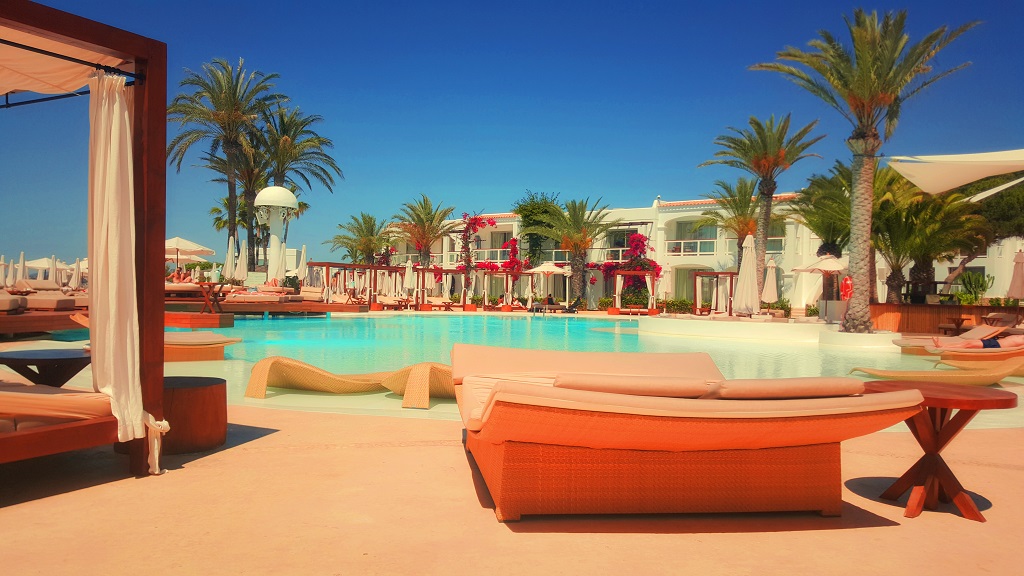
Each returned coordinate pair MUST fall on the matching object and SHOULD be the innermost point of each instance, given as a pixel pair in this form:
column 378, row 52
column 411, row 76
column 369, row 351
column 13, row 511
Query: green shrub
column 634, row 298
column 995, row 301
column 966, row 298
column 457, row 297
column 782, row 304
column 478, row 300
column 680, row 306
column 291, row 282
column 494, row 300
column 975, row 284
column 811, row 310
column 605, row 303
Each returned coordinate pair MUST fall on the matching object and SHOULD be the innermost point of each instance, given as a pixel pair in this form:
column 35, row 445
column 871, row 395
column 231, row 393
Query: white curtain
column 618, row 290
column 114, row 323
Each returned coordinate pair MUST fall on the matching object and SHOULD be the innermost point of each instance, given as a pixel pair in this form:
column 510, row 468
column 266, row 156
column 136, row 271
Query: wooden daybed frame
column 150, row 136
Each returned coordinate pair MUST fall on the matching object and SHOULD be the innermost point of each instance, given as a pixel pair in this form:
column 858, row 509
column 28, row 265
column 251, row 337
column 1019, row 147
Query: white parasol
column 745, row 298
column 1016, row 289
column 242, row 266
column 827, row 264
column 409, row 281
column 229, row 259
column 770, row 294
column 178, row 247
column 76, row 276
column 303, row 269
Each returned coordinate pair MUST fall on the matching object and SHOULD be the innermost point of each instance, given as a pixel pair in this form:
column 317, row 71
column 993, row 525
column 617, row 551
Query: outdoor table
column 930, row 478
column 958, row 322
column 211, row 296
column 53, row 367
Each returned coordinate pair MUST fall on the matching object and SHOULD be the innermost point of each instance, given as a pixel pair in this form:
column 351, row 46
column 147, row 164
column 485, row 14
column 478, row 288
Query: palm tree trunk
column 232, row 202
column 858, row 314
column 957, row 272
column 873, row 274
column 766, row 191
column 579, row 266
column 894, row 283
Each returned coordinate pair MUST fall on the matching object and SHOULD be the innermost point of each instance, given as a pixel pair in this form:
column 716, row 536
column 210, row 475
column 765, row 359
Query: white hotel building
column 681, row 251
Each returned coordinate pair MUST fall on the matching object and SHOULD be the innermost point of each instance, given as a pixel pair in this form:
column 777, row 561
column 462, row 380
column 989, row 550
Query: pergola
column 651, row 300
column 55, row 37
column 698, row 275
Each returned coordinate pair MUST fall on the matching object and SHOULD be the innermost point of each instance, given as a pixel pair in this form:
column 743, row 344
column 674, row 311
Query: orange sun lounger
column 546, row 444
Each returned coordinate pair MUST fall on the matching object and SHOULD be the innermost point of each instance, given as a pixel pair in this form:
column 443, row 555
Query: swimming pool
column 356, row 344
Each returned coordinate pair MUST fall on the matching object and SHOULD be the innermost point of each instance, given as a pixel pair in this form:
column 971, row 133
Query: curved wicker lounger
column 416, row 383
column 992, row 374
column 185, row 346
column 983, row 365
column 977, row 353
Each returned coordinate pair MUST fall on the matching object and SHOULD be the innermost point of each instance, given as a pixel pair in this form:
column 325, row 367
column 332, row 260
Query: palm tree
column 576, row 229
column 220, row 216
column 296, row 151
column 363, row 237
column 947, row 224
column 222, row 110
column 895, row 236
column 251, row 174
column 868, row 84
column 421, row 224
column 766, row 150
column 736, row 212
column 300, row 211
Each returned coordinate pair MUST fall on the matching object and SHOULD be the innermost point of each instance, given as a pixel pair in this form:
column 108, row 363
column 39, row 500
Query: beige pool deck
column 374, row 489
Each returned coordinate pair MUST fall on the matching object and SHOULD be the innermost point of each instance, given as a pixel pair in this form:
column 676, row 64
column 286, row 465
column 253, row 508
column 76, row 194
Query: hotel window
column 691, row 241
column 776, row 238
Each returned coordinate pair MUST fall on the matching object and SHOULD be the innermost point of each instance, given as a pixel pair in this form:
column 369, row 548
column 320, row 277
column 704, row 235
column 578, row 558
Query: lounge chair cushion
column 37, row 285
column 781, row 388
column 57, row 403
column 46, row 301
column 670, row 386
column 9, row 302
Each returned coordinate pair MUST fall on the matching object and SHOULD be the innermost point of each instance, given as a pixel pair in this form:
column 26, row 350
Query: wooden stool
column 197, row 409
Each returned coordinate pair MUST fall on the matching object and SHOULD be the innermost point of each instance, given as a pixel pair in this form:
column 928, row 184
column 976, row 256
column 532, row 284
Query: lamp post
column 274, row 206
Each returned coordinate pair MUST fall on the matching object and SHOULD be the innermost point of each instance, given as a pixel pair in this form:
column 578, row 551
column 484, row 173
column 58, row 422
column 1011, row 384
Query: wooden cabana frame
column 149, row 158
column 615, row 280
column 697, row 275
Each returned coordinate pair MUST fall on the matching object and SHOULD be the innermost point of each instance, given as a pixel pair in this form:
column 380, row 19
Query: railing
column 555, row 256
column 690, row 247
column 494, row 255
column 400, row 259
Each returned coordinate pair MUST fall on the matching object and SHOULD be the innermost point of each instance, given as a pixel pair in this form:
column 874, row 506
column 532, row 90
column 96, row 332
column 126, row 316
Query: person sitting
column 549, row 301
column 1012, row 341
column 176, row 276
column 186, row 276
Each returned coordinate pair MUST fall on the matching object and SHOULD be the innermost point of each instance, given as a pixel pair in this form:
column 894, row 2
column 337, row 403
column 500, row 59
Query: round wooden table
column 53, row 367
column 948, row 409
column 196, row 407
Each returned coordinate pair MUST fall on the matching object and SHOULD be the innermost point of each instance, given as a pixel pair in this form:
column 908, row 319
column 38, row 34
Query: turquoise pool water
column 350, row 344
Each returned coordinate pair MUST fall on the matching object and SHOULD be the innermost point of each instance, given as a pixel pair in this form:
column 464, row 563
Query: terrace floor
column 314, row 493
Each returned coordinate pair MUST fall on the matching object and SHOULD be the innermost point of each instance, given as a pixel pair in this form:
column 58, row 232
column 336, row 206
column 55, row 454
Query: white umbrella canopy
column 188, row 259
column 242, row 267
column 76, row 276
column 745, row 299
column 178, row 247
column 20, row 275
column 229, row 259
column 302, row 270
column 280, row 267
column 770, row 294
column 827, row 264
column 409, row 281
column 1016, row 289
column 12, row 270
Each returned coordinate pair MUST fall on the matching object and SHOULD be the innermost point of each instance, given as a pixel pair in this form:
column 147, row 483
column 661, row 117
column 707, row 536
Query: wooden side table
column 197, row 409
column 50, row 367
column 948, row 409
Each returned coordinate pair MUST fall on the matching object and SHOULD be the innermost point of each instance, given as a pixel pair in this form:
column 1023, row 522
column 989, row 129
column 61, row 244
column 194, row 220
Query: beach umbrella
column 827, row 264
column 1016, row 289
column 11, row 271
column 229, row 259
column 51, row 273
column 745, row 299
column 76, row 276
column 770, row 294
column 3, row 271
column 302, row 270
column 242, row 267
column 279, row 268
column 409, row 281
column 21, row 269
column 178, row 247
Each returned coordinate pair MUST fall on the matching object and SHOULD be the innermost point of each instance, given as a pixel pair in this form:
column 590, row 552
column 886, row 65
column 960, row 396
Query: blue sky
column 473, row 103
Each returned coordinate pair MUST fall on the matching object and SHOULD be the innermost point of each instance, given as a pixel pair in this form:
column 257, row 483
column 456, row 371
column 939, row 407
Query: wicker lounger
column 991, row 373
column 416, row 383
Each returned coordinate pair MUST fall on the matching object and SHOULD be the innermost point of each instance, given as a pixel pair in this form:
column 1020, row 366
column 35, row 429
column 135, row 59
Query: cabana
column 699, row 275
column 127, row 201
column 650, row 277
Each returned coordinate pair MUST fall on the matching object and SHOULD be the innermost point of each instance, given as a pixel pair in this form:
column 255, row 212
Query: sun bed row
column 598, row 433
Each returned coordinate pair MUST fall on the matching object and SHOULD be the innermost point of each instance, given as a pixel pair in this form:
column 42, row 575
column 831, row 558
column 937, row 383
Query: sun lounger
column 544, row 447
column 417, row 383
column 185, row 346
column 976, row 333
column 976, row 353
column 37, row 414
column 982, row 365
column 251, row 297
column 992, row 373
column 10, row 304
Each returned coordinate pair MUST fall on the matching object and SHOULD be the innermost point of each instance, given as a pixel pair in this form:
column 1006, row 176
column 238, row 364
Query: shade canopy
column 179, row 246
column 21, row 70
column 547, row 268
column 1016, row 289
column 936, row 174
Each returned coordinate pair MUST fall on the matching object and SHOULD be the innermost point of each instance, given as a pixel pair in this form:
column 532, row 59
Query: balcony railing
column 690, row 247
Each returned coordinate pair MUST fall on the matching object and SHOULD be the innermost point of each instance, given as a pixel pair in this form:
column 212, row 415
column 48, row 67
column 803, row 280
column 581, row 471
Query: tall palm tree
column 766, row 150
column 300, row 211
column 895, row 236
column 251, row 174
column 223, row 111
column 576, row 229
column 421, row 224
column 362, row 237
column 220, row 216
column 867, row 83
column 295, row 151
column 736, row 212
